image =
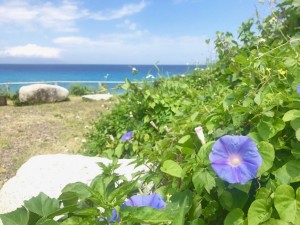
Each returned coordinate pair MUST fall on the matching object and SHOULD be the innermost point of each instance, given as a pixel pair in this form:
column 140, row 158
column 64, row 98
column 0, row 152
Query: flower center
column 235, row 160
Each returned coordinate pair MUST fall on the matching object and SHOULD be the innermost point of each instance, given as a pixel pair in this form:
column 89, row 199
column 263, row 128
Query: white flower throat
column 235, row 160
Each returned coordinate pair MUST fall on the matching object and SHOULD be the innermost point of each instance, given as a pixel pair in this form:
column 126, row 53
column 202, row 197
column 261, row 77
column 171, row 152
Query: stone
column 42, row 93
column 51, row 173
column 97, row 97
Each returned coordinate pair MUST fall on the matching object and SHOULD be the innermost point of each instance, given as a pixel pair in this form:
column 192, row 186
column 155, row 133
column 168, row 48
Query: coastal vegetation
column 222, row 144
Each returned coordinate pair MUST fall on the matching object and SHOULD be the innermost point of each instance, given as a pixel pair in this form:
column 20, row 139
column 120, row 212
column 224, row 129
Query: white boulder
column 51, row 173
column 97, row 97
column 37, row 93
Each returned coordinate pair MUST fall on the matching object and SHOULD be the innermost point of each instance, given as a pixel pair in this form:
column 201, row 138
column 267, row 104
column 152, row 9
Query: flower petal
column 153, row 200
column 226, row 172
column 127, row 136
column 228, row 148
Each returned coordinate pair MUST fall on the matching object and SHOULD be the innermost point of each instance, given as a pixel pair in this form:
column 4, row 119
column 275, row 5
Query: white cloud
column 126, row 10
column 73, row 40
column 58, row 17
column 135, row 47
column 32, row 50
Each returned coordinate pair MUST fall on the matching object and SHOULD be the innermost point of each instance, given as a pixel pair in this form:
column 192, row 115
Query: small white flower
column 111, row 137
column 199, row 132
column 261, row 40
column 153, row 125
column 273, row 20
column 167, row 129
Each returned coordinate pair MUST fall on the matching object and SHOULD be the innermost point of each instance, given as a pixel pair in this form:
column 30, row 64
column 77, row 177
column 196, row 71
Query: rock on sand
column 97, row 97
column 51, row 173
column 37, row 93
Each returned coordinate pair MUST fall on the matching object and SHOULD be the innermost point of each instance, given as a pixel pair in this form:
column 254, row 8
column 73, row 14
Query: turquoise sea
column 78, row 72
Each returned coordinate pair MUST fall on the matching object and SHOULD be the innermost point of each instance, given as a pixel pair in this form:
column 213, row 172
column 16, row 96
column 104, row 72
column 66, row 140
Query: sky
column 118, row 31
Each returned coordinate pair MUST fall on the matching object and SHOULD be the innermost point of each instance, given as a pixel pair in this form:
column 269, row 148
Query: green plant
column 79, row 90
column 250, row 91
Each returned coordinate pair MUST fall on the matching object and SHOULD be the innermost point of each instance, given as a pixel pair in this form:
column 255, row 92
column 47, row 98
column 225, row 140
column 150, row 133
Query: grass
column 44, row 129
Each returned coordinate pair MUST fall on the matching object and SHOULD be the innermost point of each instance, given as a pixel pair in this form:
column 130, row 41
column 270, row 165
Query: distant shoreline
column 10, row 73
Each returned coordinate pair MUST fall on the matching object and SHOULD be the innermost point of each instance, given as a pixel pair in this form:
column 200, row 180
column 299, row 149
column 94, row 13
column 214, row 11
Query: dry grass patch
column 44, row 129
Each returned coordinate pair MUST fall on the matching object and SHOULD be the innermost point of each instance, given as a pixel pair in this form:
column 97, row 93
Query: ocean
column 77, row 72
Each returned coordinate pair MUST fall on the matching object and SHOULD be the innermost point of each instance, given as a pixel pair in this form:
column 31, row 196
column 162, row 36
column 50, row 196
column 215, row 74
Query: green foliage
column 89, row 204
column 79, row 90
column 250, row 90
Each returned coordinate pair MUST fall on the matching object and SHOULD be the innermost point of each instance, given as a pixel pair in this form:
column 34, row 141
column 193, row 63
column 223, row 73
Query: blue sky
column 118, row 31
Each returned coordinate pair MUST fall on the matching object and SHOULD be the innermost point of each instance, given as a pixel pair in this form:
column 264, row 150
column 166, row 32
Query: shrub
column 79, row 90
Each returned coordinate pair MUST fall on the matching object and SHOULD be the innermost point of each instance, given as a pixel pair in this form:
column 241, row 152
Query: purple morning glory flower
column 127, row 136
column 154, row 201
column 235, row 159
column 298, row 89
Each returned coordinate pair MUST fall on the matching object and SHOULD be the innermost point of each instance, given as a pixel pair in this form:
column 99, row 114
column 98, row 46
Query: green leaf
column 228, row 101
column 298, row 134
column 74, row 220
column 203, row 154
column 187, row 151
column 295, row 123
column 269, row 127
column 198, row 222
column 258, row 98
column 291, row 115
column 278, row 125
column 68, row 198
column 287, row 204
column 234, row 217
column 122, row 190
column 255, row 136
column 172, row 168
column 18, row 217
column 119, row 150
column 264, row 129
column 240, row 59
column 269, row 113
column 295, row 149
column 267, row 153
column 290, row 62
column 45, row 221
column 260, row 211
column 42, row 205
column 82, row 190
column 289, row 173
column 203, row 179
column 194, row 116
column 179, row 219
column 64, row 210
column 232, row 198
column 144, row 215
column 263, row 193
column 184, row 139
column 87, row 212
column 275, row 222
column 180, row 197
